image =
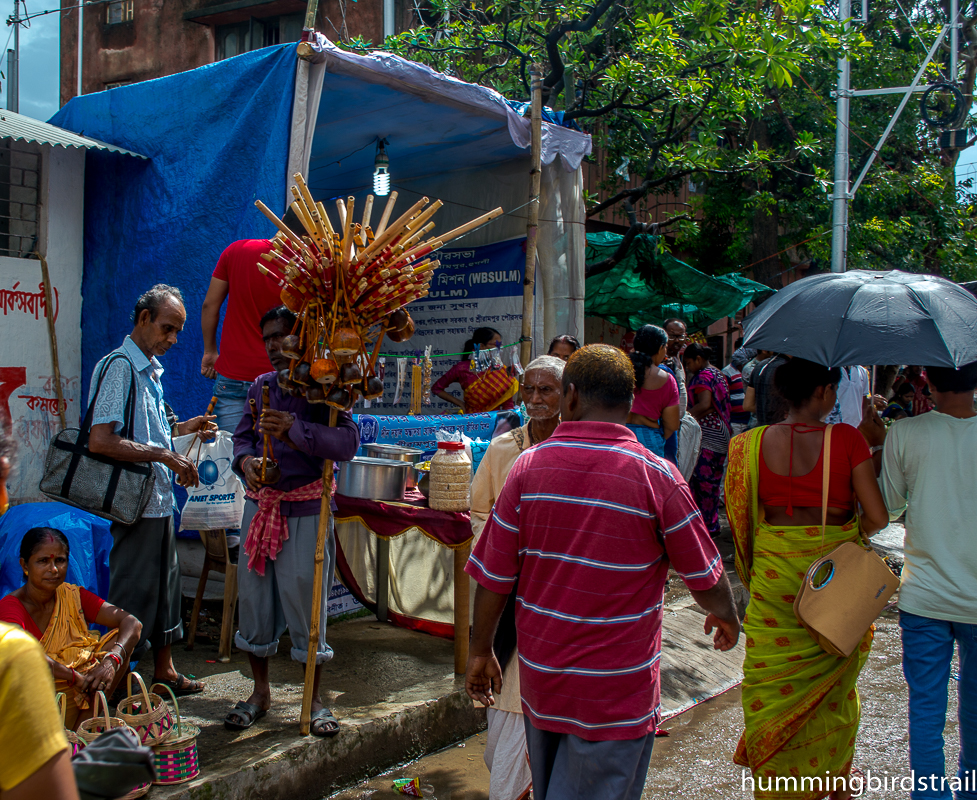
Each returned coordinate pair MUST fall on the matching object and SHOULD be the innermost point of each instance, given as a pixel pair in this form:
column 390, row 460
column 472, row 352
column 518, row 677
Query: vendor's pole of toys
column 532, row 226
column 325, row 520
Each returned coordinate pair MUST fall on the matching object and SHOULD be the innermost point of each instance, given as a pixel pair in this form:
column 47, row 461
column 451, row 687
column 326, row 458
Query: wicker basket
column 92, row 728
column 176, row 758
column 145, row 713
column 77, row 745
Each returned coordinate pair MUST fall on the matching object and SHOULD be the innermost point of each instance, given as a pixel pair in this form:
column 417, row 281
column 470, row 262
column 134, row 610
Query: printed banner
column 420, row 432
column 473, row 288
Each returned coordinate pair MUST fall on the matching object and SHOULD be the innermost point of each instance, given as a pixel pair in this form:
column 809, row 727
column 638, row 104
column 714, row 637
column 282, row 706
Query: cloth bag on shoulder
column 837, row 609
column 73, row 474
column 218, row 501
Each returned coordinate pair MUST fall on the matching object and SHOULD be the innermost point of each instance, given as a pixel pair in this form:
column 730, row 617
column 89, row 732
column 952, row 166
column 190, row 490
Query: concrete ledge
column 311, row 768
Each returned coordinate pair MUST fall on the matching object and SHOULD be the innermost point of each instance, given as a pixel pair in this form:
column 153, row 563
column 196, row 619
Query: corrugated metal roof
column 28, row 129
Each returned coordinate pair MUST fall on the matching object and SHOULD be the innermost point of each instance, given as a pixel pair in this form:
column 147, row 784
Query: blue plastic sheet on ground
column 217, row 139
column 88, row 538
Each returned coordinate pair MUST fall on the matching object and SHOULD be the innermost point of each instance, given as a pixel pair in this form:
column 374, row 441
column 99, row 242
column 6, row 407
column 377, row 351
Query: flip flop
column 182, row 686
column 329, row 724
column 243, row 711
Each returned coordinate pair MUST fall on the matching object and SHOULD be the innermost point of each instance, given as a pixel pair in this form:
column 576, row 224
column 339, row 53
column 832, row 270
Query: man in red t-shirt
column 241, row 357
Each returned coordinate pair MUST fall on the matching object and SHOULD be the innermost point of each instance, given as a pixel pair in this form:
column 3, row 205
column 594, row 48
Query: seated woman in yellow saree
column 800, row 703
column 58, row 614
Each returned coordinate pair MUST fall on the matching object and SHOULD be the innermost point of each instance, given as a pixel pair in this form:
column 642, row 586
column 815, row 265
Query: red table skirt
column 390, row 519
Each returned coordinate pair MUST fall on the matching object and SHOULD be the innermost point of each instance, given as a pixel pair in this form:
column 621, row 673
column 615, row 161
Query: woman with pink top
column 655, row 413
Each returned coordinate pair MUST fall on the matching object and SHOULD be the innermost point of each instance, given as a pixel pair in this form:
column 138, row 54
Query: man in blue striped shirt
column 586, row 528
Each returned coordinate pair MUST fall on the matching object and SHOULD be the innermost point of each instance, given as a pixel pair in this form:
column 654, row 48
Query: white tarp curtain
column 468, row 193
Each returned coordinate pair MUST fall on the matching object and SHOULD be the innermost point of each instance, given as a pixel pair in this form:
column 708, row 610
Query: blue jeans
column 232, row 397
column 927, row 650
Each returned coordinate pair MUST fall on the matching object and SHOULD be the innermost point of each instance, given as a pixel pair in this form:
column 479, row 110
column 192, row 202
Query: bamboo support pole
column 266, row 437
column 325, row 520
column 532, row 225
column 53, row 339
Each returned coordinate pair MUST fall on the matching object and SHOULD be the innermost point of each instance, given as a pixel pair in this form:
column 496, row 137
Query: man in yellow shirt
column 36, row 760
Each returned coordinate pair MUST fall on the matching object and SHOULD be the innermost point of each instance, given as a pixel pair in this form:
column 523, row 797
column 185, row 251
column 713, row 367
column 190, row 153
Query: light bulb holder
column 381, row 171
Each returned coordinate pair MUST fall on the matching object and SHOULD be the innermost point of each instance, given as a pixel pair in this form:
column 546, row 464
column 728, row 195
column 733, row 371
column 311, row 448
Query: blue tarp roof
column 218, row 138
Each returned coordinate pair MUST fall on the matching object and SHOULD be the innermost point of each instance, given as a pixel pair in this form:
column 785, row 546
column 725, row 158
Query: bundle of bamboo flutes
column 348, row 285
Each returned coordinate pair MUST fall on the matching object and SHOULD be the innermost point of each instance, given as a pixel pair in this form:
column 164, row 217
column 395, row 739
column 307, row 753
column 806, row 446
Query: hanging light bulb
column 381, row 171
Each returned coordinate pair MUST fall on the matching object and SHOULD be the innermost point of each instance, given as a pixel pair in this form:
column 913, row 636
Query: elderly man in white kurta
column 505, row 753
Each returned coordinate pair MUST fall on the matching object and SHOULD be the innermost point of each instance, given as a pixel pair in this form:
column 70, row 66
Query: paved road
column 695, row 761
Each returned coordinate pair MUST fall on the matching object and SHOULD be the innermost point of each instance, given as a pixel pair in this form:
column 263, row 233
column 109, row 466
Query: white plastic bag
column 218, row 502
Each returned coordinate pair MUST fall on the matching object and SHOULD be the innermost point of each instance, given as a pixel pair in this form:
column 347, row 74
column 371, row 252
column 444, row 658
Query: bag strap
column 86, row 426
column 825, row 481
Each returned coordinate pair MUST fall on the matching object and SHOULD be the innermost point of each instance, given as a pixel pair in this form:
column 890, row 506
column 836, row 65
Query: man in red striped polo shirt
column 586, row 528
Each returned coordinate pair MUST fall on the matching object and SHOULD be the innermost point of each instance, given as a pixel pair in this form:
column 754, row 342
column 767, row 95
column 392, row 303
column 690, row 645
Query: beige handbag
column 843, row 592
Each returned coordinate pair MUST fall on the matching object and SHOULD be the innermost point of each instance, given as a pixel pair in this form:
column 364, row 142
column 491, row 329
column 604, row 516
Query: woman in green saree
column 799, row 702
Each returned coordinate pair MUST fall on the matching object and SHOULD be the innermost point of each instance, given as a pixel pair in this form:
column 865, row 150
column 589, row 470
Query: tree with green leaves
column 733, row 95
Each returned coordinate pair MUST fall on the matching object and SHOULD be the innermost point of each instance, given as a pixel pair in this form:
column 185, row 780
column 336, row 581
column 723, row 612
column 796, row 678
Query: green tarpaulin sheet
column 648, row 286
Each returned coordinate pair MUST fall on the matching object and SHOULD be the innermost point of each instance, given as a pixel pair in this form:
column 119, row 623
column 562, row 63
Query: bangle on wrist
column 74, row 678
column 115, row 658
column 876, row 449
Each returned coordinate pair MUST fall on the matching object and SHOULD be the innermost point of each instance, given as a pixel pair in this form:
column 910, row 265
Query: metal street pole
column 81, row 40
column 839, row 218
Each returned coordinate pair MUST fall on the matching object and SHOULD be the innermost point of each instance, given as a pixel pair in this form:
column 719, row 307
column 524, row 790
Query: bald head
column 598, row 384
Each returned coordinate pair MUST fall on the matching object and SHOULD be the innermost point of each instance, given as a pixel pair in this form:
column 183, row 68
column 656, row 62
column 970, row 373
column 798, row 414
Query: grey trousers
column 144, row 579
column 282, row 598
column 566, row 767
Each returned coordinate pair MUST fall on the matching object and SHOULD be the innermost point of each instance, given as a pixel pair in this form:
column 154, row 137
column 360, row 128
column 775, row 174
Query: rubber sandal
column 324, row 716
column 244, row 711
column 182, row 686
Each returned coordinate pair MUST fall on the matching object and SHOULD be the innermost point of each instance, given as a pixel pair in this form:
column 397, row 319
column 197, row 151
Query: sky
column 39, row 59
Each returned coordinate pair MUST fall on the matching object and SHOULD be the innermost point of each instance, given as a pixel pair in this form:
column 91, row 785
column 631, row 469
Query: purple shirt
column 310, row 433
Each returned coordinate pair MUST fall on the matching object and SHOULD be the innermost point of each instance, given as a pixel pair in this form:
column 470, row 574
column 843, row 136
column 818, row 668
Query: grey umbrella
column 864, row 317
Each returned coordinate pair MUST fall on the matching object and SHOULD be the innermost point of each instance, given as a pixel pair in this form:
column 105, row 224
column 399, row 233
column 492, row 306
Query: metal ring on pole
column 931, row 114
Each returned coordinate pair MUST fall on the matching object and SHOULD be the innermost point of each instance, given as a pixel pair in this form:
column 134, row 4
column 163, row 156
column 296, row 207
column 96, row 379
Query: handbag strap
column 129, row 412
column 825, row 481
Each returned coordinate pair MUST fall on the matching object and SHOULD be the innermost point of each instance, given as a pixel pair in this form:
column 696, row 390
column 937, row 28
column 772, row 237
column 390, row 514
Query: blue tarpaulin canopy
column 223, row 135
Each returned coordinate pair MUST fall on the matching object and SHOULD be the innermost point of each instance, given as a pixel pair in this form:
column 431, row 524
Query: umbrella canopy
column 863, row 317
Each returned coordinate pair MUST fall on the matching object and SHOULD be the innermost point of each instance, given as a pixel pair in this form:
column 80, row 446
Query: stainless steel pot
column 373, row 478
column 393, row 451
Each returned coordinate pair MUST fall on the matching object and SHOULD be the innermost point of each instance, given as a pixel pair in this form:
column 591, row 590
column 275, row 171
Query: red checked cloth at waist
column 268, row 530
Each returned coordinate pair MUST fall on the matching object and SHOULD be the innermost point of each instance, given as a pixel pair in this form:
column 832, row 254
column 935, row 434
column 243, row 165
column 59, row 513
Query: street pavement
column 694, row 762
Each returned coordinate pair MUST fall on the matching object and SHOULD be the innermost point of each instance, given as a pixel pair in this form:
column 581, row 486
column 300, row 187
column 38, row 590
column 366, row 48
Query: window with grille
column 120, row 11
column 20, row 173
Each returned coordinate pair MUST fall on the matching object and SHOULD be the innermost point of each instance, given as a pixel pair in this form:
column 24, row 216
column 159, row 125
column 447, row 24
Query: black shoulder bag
column 73, row 474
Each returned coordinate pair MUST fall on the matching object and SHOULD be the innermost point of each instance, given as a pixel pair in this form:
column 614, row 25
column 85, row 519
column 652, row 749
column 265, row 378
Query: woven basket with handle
column 177, row 760
column 77, row 745
column 145, row 713
column 92, row 728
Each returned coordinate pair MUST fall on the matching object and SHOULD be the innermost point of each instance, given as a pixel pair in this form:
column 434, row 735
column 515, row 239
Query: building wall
column 27, row 387
column 168, row 37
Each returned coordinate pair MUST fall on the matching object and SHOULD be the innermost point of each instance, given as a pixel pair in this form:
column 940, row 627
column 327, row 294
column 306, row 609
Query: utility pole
column 81, row 40
column 840, row 196
column 843, row 192
column 13, row 79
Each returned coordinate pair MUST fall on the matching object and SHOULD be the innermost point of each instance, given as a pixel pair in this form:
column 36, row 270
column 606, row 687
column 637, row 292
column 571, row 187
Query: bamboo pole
column 325, row 518
column 53, row 338
column 532, row 225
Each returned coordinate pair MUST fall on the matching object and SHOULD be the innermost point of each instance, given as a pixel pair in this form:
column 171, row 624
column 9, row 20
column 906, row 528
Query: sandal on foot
column 182, row 686
column 247, row 713
column 328, row 724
